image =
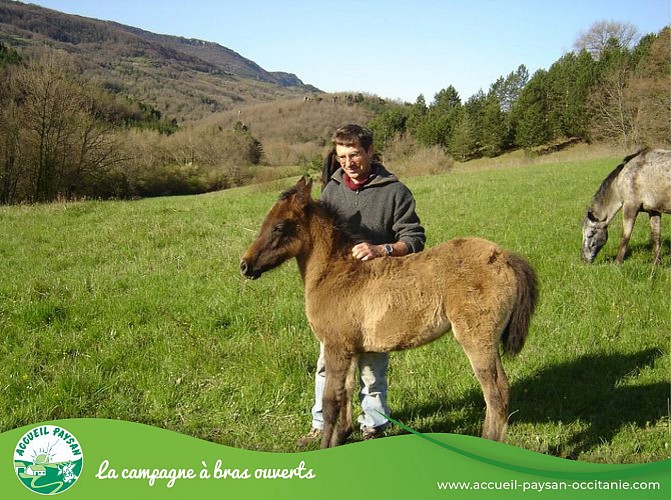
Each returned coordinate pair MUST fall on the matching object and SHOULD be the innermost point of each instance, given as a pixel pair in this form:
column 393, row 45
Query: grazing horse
column 641, row 183
column 485, row 294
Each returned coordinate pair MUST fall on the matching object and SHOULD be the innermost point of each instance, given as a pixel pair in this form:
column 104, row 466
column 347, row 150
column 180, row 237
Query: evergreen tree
column 530, row 112
column 569, row 81
column 433, row 125
column 416, row 116
column 8, row 55
column 508, row 89
column 445, row 112
column 388, row 125
column 473, row 115
column 464, row 141
column 495, row 124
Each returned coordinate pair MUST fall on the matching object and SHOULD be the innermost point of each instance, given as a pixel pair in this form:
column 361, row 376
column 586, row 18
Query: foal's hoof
column 342, row 437
column 314, row 436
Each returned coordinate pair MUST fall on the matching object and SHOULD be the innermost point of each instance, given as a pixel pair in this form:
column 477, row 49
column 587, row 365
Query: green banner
column 110, row 459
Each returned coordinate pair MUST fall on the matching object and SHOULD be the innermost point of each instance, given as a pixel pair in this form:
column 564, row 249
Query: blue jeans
column 373, row 394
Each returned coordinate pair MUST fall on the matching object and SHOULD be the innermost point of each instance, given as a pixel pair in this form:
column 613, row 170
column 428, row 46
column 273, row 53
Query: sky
column 390, row 48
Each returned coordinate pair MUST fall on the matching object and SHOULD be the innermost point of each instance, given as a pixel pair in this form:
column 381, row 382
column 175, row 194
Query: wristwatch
column 389, row 249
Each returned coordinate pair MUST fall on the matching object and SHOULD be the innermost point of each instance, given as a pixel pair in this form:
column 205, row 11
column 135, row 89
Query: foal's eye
column 279, row 228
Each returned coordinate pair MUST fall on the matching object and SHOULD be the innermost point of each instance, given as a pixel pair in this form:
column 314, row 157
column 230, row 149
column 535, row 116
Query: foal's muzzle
column 247, row 271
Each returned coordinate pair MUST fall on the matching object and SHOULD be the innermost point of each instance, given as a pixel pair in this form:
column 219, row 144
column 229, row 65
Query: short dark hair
column 353, row 135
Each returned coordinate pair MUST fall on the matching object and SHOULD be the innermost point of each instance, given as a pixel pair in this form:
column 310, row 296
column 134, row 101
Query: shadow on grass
column 634, row 248
column 598, row 392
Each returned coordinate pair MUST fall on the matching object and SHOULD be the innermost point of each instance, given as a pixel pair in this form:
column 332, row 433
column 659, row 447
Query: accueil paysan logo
column 48, row 460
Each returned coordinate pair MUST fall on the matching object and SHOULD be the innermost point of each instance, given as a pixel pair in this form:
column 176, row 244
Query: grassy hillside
column 136, row 311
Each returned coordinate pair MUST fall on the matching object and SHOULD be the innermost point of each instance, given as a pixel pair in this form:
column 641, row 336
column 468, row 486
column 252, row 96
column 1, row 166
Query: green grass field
column 136, row 311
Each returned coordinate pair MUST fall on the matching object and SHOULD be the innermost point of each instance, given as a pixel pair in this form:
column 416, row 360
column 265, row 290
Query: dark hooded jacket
column 381, row 211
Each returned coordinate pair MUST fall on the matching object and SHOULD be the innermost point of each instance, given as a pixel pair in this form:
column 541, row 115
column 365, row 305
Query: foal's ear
column 305, row 182
column 304, row 189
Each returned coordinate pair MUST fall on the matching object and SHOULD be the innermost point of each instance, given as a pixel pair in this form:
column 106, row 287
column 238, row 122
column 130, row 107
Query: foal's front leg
column 656, row 236
column 337, row 398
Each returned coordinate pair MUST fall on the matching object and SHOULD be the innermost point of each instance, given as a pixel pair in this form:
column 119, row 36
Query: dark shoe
column 311, row 437
column 372, row 433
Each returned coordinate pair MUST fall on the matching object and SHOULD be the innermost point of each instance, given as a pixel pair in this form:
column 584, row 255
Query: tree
column 649, row 91
column 613, row 112
column 495, row 127
column 464, row 141
column 569, row 82
column 531, row 111
column 439, row 121
column 8, row 55
column 49, row 123
column 416, row 115
column 603, row 34
column 10, row 161
column 508, row 89
column 388, row 125
column 93, row 152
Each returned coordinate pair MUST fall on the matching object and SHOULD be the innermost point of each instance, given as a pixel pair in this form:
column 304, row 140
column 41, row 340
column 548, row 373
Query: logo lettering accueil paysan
column 48, row 460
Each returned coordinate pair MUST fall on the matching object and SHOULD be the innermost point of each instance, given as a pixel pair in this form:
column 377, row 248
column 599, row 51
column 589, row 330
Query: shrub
column 406, row 157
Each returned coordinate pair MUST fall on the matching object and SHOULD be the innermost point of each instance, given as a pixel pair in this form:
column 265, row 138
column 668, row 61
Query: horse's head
column 281, row 235
column 594, row 236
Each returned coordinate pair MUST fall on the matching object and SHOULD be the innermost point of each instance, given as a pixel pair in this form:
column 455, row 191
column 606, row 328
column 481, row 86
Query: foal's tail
column 517, row 328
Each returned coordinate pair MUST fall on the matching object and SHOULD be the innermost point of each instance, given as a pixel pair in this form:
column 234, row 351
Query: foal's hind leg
column 345, row 426
column 488, row 369
column 337, row 398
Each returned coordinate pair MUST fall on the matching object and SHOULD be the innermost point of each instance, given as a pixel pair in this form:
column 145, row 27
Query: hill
column 184, row 78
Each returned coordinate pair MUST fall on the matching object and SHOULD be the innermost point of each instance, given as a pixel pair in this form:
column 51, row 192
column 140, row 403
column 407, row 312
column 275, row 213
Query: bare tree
column 613, row 112
column 93, row 152
column 603, row 34
column 649, row 92
column 631, row 103
column 10, row 153
column 48, row 102
column 61, row 142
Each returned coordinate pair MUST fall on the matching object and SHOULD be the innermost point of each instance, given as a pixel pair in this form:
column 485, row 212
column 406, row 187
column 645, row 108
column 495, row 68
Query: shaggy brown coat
column 485, row 294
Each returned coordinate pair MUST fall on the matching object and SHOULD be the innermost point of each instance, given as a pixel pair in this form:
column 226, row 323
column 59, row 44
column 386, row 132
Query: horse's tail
column 517, row 328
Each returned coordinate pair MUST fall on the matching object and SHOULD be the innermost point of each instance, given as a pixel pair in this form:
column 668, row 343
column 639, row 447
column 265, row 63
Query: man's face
column 355, row 161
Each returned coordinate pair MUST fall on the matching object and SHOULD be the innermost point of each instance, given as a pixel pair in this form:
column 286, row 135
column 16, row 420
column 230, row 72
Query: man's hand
column 366, row 251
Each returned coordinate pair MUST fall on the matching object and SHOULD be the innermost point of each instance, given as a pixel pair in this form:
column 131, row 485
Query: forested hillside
column 95, row 109
column 617, row 94
column 182, row 77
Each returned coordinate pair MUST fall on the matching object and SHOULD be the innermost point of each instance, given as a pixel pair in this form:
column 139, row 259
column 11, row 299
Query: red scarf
column 356, row 186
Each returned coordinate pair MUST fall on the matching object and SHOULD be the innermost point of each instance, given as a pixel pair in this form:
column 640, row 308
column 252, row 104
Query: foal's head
column 280, row 236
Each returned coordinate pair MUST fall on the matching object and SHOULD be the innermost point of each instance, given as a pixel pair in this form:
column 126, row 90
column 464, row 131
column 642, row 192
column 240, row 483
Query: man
column 380, row 212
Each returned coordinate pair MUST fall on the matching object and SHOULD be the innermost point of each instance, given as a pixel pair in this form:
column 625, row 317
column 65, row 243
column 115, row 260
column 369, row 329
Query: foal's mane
column 288, row 193
column 341, row 236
